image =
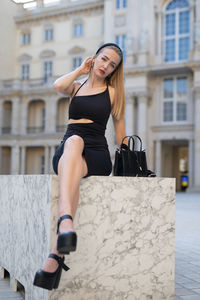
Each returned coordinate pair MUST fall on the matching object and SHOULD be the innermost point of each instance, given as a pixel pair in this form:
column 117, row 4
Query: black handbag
column 129, row 162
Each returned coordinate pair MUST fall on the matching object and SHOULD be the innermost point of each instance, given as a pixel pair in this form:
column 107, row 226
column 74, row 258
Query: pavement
column 187, row 251
column 187, row 247
column 6, row 293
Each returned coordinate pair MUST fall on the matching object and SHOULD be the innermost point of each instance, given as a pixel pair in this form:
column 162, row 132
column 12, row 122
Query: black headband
column 110, row 44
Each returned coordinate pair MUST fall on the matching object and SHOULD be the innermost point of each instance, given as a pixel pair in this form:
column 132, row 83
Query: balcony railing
column 5, row 130
column 36, row 129
column 26, row 85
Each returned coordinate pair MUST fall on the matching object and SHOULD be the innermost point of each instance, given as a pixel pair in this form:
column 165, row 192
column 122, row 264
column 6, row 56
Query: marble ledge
column 126, row 236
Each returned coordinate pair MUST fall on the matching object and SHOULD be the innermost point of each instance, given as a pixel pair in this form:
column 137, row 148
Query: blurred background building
column 44, row 39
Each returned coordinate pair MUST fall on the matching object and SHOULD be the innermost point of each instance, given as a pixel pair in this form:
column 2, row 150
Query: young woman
column 84, row 150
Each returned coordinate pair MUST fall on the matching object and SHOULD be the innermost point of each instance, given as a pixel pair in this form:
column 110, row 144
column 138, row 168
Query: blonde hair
column 116, row 80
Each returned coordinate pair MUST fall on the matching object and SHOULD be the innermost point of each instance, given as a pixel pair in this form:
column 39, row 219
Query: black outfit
column 97, row 108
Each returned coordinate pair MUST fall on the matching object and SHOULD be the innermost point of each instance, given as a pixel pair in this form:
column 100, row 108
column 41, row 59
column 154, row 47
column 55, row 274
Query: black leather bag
column 129, row 162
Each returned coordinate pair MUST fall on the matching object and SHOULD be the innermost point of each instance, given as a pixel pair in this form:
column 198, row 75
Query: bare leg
column 71, row 168
column 51, row 264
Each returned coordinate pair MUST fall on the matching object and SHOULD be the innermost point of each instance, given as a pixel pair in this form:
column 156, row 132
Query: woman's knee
column 74, row 143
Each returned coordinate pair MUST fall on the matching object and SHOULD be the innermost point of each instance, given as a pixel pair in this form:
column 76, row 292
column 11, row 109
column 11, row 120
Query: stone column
column 197, row 140
column 23, row 160
column 158, row 158
column 50, row 117
column 15, row 160
column 24, row 117
column 142, row 119
column 46, row 160
column 129, row 115
column 52, row 151
column 1, row 115
column 15, row 116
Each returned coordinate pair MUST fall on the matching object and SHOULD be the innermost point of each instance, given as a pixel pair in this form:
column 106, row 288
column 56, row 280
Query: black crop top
column 95, row 107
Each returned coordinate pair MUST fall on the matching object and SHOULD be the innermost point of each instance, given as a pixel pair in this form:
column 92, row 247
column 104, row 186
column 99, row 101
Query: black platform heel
column 48, row 280
column 66, row 241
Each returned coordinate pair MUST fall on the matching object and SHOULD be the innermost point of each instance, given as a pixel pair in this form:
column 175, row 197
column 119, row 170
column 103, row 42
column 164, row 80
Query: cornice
column 135, row 70
column 24, row 57
column 67, row 9
column 193, row 65
column 172, row 128
column 76, row 50
column 142, row 93
column 47, row 53
column 27, row 139
column 168, row 68
column 30, row 93
column 162, row 69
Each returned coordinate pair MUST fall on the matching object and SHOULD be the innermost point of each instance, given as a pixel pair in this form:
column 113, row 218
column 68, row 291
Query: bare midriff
column 73, row 121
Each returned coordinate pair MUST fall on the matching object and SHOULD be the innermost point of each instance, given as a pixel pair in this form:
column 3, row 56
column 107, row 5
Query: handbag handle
column 129, row 141
column 139, row 140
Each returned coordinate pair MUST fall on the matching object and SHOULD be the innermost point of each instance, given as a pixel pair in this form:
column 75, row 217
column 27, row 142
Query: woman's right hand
column 85, row 67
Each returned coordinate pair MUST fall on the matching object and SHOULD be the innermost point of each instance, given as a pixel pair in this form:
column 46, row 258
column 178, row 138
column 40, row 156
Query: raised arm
column 66, row 83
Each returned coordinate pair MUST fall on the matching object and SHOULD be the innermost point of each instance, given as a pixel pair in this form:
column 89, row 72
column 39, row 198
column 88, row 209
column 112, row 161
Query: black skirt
column 95, row 150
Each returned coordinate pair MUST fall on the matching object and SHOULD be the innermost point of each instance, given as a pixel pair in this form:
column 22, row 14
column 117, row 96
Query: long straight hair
column 116, row 80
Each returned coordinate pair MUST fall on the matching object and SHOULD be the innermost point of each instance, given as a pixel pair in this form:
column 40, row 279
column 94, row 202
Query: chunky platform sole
column 66, row 242
column 47, row 280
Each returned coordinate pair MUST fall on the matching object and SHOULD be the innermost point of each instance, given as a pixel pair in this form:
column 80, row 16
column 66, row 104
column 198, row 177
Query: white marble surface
column 125, row 229
column 25, row 227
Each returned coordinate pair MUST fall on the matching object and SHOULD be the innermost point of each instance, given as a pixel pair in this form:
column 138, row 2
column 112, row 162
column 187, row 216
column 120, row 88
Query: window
column 77, row 61
column 48, row 34
column 47, row 70
column 121, row 4
column 175, row 94
column 177, row 31
column 25, row 38
column 25, row 68
column 78, row 30
column 121, row 42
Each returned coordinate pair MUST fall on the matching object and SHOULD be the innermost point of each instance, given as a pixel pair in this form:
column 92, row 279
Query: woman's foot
column 66, row 225
column 50, row 280
column 67, row 238
column 51, row 264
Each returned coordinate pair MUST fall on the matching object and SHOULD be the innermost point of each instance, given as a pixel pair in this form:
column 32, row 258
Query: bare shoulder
column 112, row 94
column 75, row 86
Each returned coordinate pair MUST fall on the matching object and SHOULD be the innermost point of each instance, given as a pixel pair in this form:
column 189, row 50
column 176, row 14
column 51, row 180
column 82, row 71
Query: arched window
column 62, row 114
column 36, row 116
column 177, row 31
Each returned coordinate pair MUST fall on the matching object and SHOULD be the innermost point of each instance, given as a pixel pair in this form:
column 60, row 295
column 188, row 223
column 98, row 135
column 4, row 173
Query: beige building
column 45, row 39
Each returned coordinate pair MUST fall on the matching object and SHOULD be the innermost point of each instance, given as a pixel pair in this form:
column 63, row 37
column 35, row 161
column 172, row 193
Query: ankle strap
column 62, row 218
column 60, row 261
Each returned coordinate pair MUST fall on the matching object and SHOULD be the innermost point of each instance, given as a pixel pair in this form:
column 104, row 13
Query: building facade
column 161, row 45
